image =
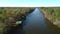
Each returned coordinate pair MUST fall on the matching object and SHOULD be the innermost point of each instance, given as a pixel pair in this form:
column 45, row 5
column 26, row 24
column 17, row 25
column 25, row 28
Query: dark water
column 35, row 23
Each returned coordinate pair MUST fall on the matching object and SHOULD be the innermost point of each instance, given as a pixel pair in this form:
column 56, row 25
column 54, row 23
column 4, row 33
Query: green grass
column 5, row 12
column 9, row 11
column 1, row 26
column 53, row 11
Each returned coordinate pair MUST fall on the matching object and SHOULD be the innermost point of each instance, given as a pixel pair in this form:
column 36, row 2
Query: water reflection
column 34, row 24
column 34, row 17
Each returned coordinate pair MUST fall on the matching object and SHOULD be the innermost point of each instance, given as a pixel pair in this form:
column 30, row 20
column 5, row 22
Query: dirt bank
column 55, row 22
column 15, row 14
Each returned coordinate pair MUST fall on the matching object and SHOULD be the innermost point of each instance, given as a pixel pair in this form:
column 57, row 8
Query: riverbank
column 6, row 12
column 1, row 27
column 52, row 18
column 53, row 27
column 49, row 22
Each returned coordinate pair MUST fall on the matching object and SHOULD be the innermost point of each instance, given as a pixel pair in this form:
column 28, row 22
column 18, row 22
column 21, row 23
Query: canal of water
column 36, row 23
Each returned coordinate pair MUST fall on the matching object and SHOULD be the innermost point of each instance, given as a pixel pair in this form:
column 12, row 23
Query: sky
column 29, row 3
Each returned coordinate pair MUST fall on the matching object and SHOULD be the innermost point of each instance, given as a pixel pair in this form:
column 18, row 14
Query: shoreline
column 49, row 18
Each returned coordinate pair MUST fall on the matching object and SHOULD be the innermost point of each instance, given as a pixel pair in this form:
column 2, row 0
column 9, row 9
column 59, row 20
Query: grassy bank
column 53, row 14
column 1, row 27
column 6, row 12
column 53, row 27
column 9, row 11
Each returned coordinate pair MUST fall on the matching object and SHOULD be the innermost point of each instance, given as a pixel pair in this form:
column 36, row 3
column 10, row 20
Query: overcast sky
column 31, row 3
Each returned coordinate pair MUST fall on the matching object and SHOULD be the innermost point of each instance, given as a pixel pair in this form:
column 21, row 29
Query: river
column 35, row 23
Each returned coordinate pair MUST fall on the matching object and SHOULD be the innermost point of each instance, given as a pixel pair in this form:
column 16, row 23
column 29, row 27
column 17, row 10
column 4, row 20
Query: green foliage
column 53, row 11
column 9, row 11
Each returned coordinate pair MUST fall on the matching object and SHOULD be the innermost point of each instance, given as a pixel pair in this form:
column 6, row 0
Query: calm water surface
column 35, row 23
